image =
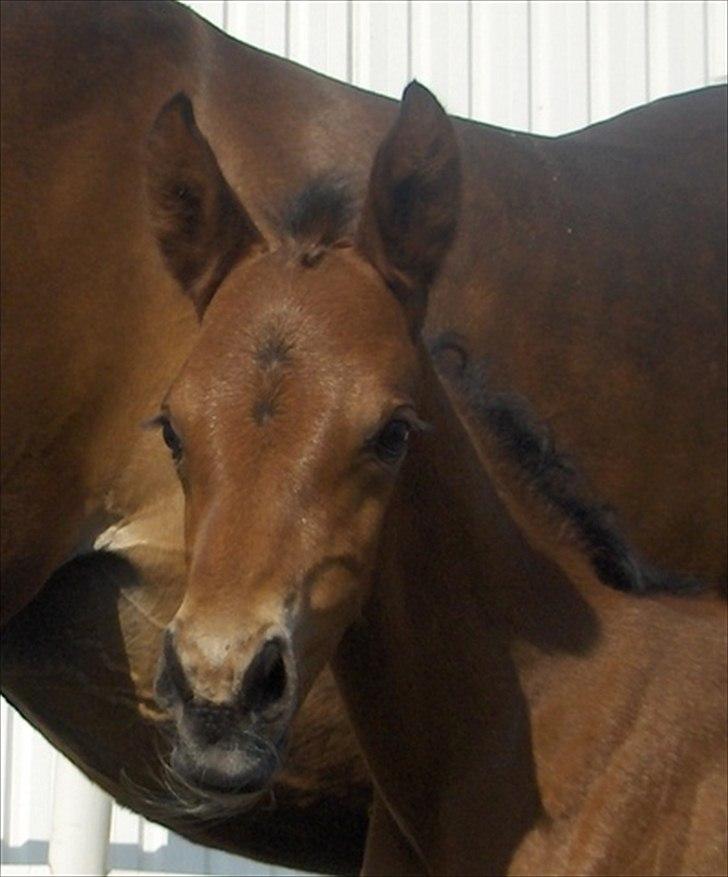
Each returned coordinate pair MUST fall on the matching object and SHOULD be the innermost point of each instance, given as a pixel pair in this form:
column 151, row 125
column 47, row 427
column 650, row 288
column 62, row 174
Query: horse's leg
column 387, row 850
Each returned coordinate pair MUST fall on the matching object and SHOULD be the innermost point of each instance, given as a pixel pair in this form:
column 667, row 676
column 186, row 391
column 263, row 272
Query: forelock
column 318, row 217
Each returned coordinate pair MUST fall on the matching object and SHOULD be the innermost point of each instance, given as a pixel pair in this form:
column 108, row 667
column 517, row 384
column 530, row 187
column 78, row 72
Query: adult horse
column 466, row 658
column 590, row 257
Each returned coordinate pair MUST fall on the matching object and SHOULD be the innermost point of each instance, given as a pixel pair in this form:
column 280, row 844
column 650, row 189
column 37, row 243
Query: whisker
column 187, row 801
column 266, row 745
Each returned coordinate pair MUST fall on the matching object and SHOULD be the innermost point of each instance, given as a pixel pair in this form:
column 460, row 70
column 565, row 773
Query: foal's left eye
column 172, row 440
column 391, row 443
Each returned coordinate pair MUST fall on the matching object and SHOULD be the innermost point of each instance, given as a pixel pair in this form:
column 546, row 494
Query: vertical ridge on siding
column 260, row 24
column 588, row 61
column 717, row 44
column 501, row 78
column 27, row 790
column 559, row 74
column 618, row 56
column 378, row 33
column 318, row 36
column 439, row 51
column 6, row 768
column 676, row 42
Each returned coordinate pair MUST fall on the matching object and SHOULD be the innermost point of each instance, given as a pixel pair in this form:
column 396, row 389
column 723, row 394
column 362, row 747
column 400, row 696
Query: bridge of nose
column 214, row 665
column 248, row 671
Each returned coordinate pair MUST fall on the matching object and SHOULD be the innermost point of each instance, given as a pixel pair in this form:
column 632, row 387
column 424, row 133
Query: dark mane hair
column 319, row 216
column 529, row 444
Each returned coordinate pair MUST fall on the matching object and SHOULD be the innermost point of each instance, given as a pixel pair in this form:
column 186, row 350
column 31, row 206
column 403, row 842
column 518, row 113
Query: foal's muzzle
column 233, row 746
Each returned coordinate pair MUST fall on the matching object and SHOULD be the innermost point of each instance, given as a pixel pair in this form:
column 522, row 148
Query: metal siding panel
column 174, row 854
column 717, row 45
column 156, row 854
column 27, row 784
column 79, row 836
column 212, row 10
column 319, row 36
column 559, row 58
column 676, row 38
column 501, row 63
column 224, row 865
column 261, row 24
column 125, row 840
column 617, row 57
column 441, row 51
column 5, row 766
column 380, row 46
column 7, row 805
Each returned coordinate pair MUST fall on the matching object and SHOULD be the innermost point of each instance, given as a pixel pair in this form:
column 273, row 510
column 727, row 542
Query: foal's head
column 289, row 421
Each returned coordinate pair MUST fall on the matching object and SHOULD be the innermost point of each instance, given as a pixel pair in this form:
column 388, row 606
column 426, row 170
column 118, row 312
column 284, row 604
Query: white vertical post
column 81, row 822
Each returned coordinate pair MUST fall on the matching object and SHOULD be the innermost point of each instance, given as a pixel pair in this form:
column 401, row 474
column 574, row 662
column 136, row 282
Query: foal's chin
column 227, row 770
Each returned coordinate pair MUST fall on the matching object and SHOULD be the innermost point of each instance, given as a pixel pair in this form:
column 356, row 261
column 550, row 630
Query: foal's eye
column 172, row 440
column 391, row 443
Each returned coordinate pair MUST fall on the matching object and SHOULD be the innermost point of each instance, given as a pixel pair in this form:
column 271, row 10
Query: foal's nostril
column 171, row 684
column 265, row 679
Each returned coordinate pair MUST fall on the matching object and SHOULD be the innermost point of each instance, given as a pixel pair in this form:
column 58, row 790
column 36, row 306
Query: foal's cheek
column 333, row 606
column 335, row 589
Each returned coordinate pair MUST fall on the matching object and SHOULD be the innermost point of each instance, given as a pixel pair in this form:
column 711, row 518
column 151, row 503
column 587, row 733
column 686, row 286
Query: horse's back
column 694, row 122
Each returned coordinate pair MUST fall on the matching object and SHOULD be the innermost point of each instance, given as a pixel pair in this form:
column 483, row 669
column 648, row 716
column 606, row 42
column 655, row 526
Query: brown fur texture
column 588, row 270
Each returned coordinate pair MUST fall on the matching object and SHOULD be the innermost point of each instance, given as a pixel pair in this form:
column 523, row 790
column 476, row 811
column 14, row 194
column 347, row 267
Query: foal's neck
column 497, row 695
column 461, row 607
column 458, row 542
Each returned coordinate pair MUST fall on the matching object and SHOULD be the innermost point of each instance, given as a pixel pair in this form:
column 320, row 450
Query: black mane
column 531, row 446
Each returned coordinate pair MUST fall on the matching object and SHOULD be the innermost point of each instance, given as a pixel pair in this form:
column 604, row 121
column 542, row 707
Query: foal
column 517, row 715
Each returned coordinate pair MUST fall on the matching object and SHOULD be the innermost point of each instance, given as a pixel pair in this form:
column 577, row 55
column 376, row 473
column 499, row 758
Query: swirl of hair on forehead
column 320, row 216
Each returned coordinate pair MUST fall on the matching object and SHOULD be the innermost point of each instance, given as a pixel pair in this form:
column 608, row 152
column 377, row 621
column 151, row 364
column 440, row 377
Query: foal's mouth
column 244, row 766
column 235, row 746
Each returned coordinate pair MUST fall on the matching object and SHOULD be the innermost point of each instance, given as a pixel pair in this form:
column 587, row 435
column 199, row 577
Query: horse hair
column 530, row 444
column 319, row 215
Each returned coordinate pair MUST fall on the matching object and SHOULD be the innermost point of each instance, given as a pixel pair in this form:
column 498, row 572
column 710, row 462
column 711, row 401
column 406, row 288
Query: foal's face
column 288, row 423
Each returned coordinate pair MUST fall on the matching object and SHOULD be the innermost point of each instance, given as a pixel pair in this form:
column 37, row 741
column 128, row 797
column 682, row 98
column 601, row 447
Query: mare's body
column 584, row 265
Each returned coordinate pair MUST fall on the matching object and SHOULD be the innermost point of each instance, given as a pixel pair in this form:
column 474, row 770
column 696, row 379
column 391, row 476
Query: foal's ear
column 201, row 227
column 413, row 202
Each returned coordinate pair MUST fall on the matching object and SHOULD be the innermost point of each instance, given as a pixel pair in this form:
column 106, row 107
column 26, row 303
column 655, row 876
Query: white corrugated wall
column 547, row 67
column 541, row 66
